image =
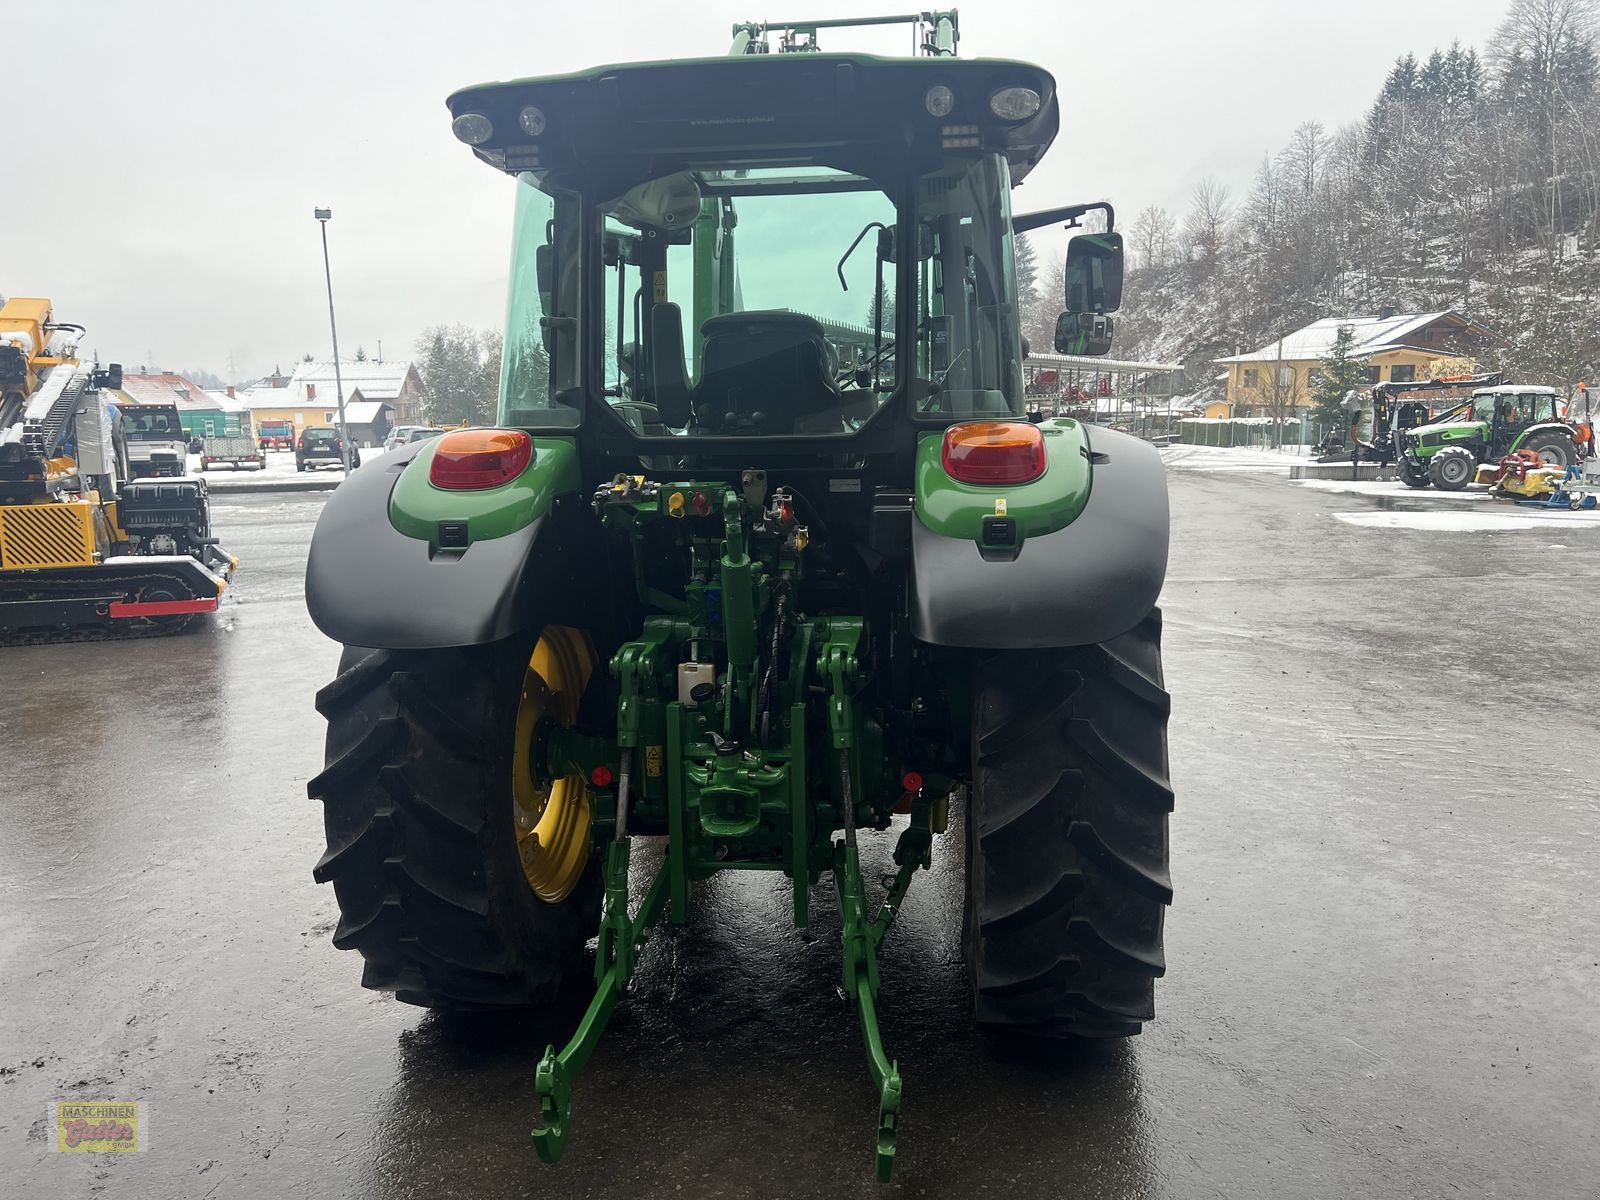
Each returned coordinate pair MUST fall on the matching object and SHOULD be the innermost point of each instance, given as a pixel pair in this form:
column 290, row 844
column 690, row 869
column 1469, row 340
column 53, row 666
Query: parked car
column 404, row 435
column 321, row 446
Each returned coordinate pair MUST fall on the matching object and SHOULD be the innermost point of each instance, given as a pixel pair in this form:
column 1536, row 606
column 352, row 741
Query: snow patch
column 1467, row 522
column 1236, row 458
column 1390, row 489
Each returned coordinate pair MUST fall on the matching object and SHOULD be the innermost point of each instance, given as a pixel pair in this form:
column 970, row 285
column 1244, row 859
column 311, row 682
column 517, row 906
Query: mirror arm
column 865, row 229
column 1071, row 217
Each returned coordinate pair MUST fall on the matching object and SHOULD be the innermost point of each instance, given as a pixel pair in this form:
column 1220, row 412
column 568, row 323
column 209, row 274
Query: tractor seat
column 760, row 372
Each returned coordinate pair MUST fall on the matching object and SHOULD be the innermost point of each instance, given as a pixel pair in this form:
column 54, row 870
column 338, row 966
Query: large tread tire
column 1561, row 450
column 1067, row 853
column 1414, row 473
column 1452, row 468
column 421, row 837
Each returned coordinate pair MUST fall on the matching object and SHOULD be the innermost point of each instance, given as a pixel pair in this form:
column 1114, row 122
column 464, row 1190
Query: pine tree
column 1341, row 374
column 1402, row 81
column 491, row 345
column 1027, row 274
column 1431, row 79
column 460, row 368
column 361, row 353
column 1037, row 305
column 880, row 311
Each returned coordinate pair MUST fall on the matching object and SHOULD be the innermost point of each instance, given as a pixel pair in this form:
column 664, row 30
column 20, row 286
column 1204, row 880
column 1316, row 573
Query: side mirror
column 544, row 270
column 1094, row 273
column 889, row 246
column 1083, row 333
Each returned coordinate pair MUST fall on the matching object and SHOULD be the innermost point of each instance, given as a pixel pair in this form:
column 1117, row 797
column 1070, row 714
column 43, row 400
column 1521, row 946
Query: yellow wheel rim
column 552, row 821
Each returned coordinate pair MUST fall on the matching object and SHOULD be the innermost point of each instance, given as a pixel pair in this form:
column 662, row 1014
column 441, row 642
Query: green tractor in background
column 766, row 553
column 1471, row 439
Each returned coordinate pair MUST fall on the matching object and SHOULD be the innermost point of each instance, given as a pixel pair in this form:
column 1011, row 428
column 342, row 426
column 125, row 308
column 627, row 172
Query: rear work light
column 994, row 452
column 469, row 459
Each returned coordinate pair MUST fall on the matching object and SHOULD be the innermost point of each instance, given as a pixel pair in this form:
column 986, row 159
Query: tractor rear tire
column 1067, row 854
column 1414, row 473
column 422, row 848
column 1555, row 449
column 1452, row 468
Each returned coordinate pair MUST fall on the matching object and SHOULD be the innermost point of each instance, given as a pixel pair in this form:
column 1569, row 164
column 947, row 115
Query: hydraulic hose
column 780, row 614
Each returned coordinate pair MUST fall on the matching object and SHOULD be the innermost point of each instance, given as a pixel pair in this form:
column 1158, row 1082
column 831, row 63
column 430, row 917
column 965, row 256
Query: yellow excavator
column 85, row 551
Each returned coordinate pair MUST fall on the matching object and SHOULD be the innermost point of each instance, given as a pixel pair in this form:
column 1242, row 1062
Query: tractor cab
column 813, row 246
column 1511, row 411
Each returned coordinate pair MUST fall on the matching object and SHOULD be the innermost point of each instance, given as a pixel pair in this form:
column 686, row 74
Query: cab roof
column 859, row 112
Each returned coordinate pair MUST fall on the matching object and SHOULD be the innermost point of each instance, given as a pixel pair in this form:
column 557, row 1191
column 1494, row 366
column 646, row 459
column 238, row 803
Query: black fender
column 368, row 584
column 1089, row 582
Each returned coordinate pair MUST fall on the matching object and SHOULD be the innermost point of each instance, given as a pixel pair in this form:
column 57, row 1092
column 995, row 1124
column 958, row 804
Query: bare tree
column 1305, row 156
column 1206, row 225
column 1544, row 52
column 1537, row 30
column 1280, row 396
column 1040, row 328
column 1155, row 234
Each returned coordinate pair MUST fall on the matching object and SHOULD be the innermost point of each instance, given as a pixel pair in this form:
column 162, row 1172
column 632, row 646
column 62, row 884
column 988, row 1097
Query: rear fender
column 1558, row 427
column 1089, row 580
column 382, row 572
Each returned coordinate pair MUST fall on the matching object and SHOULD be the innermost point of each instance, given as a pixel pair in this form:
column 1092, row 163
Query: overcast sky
column 171, row 151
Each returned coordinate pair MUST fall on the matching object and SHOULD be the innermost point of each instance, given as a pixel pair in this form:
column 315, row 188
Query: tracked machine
column 766, row 557
column 85, row 551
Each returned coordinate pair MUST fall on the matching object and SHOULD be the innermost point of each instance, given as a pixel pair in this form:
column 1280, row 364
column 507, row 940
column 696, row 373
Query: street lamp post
column 323, row 216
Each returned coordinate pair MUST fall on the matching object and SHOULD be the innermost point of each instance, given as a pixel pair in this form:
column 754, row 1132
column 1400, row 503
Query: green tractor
column 765, row 556
column 1470, row 440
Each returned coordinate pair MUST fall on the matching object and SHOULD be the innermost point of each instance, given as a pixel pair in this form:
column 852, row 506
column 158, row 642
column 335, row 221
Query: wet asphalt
column 1382, row 962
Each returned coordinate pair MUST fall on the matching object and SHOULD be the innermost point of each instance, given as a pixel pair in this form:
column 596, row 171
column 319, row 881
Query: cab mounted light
column 939, row 100
column 531, row 118
column 472, row 128
column 471, row 459
column 960, row 137
column 993, row 452
column 1014, row 103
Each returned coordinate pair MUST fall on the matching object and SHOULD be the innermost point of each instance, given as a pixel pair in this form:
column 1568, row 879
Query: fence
column 1261, row 432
